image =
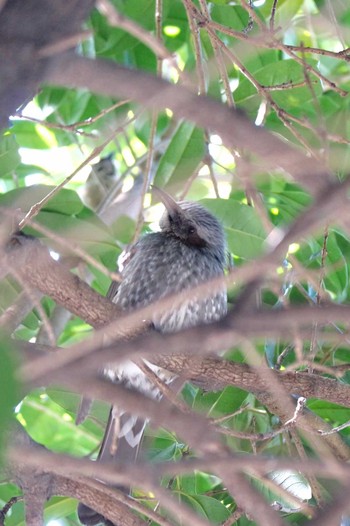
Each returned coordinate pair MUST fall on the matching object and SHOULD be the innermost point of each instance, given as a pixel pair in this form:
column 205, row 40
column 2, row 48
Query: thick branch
column 193, row 428
column 103, row 499
column 270, row 387
column 144, row 474
column 165, row 349
column 108, row 78
column 32, row 260
column 45, row 23
column 212, row 373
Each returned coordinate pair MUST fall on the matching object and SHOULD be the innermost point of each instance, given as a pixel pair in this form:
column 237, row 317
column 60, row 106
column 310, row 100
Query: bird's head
column 105, row 168
column 193, row 224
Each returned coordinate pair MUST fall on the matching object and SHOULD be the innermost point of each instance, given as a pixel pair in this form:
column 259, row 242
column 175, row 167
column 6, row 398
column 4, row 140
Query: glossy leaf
column 208, row 507
column 182, row 157
column 49, row 424
column 9, row 387
column 281, row 72
column 244, row 231
column 9, row 156
column 65, row 201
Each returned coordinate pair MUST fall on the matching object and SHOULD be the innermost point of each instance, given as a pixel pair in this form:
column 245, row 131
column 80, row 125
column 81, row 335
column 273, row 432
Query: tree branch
column 34, row 263
column 108, row 78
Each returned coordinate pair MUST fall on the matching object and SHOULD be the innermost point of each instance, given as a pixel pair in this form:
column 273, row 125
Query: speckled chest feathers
column 189, row 250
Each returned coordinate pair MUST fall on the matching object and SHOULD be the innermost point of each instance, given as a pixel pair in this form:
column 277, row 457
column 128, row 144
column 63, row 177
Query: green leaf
column 291, row 482
column 75, row 331
column 243, row 227
column 143, row 125
column 145, row 58
column 124, row 229
column 51, row 425
column 230, row 15
column 65, row 202
column 55, row 508
column 182, row 156
column 15, row 517
column 70, row 403
column 197, row 483
column 36, row 135
column 284, row 200
column 115, row 43
column 93, row 236
column 336, row 281
column 28, row 169
column 59, row 507
column 50, row 98
column 333, row 413
column 164, row 446
column 177, row 21
column 9, row 156
column 8, row 385
column 208, row 507
column 286, row 11
column 72, row 107
column 276, row 73
column 220, row 403
column 9, row 292
column 295, row 484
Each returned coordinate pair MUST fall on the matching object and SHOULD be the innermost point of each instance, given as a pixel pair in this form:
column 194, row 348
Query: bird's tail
column 121, row 443
column 124, row 431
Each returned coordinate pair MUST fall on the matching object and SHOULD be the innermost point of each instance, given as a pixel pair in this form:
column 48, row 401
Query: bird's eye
column 191, row 230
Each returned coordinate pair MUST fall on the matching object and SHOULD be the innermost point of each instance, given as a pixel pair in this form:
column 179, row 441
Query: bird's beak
column 170, row 204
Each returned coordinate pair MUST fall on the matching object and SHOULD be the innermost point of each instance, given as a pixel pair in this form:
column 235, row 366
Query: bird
column 102, row 179
column 189, row 249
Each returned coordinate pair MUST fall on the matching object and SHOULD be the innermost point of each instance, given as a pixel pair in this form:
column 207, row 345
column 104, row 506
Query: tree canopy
column 240, row 105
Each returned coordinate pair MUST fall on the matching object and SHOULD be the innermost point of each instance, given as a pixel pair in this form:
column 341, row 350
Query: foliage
column 297, row 94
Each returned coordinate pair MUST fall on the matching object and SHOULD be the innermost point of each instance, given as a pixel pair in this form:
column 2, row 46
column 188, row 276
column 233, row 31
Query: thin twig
column 6, row 508
column 272, row 17
column 163, row 386
column 76, row 125
column 190, row 10
column 335, row 429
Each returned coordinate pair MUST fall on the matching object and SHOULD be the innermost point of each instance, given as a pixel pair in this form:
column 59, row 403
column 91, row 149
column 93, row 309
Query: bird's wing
column 113, row 289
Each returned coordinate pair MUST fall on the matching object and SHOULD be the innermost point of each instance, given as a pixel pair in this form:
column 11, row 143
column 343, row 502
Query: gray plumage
column 190, row 249
column 165, row 263
column 102, row 179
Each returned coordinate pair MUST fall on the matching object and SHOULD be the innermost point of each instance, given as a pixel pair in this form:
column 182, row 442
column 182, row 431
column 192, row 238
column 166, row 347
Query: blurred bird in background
column 102, row 178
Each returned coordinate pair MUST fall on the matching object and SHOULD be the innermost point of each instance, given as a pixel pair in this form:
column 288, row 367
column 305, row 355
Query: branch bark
column 108, row 78
column 33, row 261
column 21, row 69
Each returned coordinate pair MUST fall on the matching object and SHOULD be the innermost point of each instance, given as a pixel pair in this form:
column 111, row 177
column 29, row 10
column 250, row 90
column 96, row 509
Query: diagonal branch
column 236, row 130
column 33, row 261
